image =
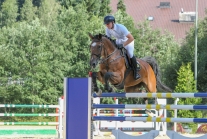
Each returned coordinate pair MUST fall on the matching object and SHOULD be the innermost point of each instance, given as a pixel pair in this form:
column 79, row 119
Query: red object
column 202, row 129
column 179, row 128
column 57, row 111
column 56, row 119
column 90, row 73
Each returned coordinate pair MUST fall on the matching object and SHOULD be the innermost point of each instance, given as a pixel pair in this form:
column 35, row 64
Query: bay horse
column 113, row 69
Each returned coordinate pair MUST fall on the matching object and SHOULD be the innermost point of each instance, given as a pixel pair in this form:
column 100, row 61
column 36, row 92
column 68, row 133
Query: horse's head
column 101, row 47
column 96, row 47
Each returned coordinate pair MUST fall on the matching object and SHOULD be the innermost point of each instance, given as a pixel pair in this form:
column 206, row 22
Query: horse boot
column 135, row 68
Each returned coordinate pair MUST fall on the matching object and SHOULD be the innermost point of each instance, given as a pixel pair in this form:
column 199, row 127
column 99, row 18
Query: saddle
column 126, row 58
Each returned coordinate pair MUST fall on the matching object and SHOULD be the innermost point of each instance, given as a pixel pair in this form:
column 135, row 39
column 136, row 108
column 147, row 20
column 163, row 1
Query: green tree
column 33, row 55
column 36, row 2
column 28, row 11
column 9, row 12
column 48, row 12
column 121, row 6
column 187, row 53
column 2, row 1
column 93, row 6
column 74, row 24
column 20, row 3
column 105, row 9
column 40, row 57
column 186, row 84
column 68, row 3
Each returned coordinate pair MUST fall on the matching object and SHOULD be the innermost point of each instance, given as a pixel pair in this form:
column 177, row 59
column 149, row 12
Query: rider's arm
column 129, row 40
column 126, row 33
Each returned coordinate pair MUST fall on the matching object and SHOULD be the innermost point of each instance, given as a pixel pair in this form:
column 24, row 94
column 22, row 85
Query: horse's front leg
column 95, row 76
column 107, row 76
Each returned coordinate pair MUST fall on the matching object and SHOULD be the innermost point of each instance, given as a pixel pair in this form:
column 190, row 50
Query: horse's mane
column 103, row 35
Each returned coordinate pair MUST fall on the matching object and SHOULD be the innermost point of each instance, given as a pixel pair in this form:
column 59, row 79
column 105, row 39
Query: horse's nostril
column 94, row 64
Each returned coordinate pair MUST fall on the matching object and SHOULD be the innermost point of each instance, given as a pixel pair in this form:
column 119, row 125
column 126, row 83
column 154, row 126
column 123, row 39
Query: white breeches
column 130, row 49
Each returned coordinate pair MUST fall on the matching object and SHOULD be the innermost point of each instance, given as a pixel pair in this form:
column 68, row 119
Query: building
column 176, row 16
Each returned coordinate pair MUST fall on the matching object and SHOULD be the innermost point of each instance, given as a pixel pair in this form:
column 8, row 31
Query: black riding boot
column 135, row 69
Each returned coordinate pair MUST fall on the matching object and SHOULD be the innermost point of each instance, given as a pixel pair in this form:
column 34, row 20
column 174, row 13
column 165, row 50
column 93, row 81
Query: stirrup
column 137, row 77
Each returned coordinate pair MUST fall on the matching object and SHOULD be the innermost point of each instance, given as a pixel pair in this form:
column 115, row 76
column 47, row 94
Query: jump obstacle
column 78, row 96
column 59, row 123
column 129, row 127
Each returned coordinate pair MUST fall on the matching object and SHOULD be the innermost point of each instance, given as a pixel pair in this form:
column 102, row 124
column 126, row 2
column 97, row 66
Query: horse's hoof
column 99, row 92
column 149, row 113
column 111, row 90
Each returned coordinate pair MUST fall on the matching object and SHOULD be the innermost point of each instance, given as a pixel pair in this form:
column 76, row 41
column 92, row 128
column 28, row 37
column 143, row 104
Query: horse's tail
column 153, row 63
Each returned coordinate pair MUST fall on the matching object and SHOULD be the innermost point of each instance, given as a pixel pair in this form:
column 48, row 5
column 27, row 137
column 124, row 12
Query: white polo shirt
column 119, row 32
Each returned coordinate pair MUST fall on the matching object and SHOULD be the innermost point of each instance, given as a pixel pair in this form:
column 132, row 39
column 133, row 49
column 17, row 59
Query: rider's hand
column 120, row 46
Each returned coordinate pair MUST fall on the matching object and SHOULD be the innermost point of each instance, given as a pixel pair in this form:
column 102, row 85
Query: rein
column 107, row 57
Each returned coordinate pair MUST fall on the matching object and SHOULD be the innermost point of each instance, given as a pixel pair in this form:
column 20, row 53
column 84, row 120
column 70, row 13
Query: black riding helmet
column 108, row 19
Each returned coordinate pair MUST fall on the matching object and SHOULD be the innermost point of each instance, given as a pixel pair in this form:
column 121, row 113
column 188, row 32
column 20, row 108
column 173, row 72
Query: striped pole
column 113, row 110
column 27, row 106
column 29, row 114
column 135, row 106
column 151, row 119
column 153, row 95
column 125, row 114
column 29, row 123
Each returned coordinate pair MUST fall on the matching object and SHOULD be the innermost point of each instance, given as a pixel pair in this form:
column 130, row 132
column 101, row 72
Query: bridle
column 104, row 60
column 101, row 47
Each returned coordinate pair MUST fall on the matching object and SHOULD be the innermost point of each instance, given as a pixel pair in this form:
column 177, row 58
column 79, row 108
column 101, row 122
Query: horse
column 113, row 69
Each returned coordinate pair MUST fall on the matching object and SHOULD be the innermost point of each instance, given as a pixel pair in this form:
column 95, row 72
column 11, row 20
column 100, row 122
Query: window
column 164, row 5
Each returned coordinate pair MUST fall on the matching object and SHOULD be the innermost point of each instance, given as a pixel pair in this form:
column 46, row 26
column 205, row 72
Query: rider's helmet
column 108, row 19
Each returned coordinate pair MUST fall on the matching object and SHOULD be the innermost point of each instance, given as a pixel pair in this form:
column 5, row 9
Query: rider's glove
column 120, row 46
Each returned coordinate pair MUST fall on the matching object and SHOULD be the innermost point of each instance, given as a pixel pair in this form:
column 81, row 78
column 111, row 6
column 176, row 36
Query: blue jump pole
column 77, row 108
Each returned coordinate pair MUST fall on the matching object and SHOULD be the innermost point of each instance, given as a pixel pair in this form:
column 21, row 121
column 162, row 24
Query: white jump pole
column 175, row 114
column 117, row 114
column 60, row 118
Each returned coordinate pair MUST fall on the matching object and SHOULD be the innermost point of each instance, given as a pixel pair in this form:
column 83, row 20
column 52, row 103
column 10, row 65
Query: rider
column 123, row 39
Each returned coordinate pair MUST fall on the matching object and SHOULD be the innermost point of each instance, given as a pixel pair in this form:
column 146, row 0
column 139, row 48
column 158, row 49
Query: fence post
column 175, row 114
column 60, row 127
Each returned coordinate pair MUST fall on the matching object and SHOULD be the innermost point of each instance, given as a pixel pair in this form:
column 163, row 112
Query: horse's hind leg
column 150, row 87
column 133, row 89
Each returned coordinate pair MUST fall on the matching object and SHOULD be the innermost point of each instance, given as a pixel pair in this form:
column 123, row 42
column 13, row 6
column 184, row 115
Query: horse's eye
column 99, row 46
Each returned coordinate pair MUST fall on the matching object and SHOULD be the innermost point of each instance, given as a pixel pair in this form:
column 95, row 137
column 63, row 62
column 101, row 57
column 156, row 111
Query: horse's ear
column 90, row 35
column 100, row 36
